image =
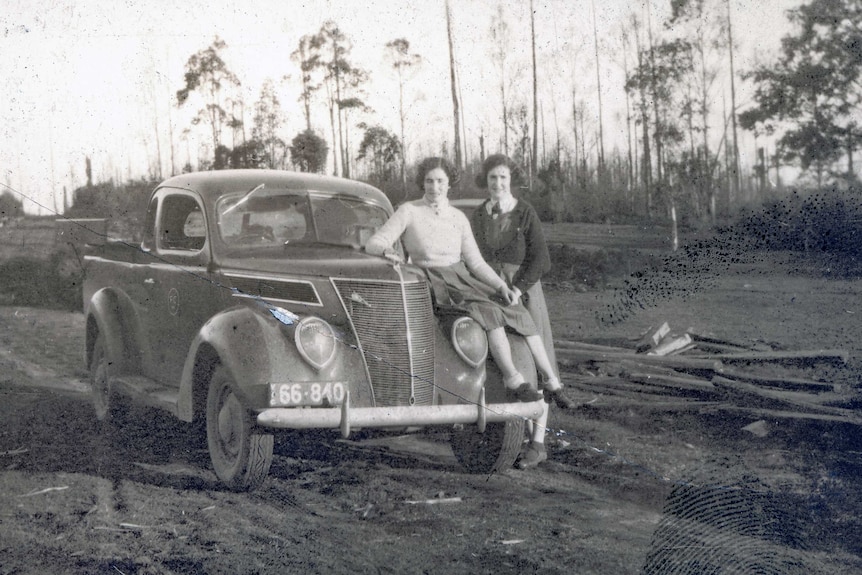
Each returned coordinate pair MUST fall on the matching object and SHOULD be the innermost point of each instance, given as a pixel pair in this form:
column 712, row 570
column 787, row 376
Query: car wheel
column 104, row 401
column 241, row 457
column 494, row 450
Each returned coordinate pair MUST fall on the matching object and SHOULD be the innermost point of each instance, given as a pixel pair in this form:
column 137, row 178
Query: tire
column 240, row 456
column 102, row 397
column 489, row 452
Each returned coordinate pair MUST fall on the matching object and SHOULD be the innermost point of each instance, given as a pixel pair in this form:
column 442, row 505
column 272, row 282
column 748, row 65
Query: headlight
column 315, row 341
column 470, row 341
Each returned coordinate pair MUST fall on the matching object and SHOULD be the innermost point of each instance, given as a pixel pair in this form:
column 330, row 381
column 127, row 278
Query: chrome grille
column 395, row 328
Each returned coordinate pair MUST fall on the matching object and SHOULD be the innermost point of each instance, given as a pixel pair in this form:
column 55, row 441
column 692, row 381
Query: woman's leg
column 540, row 355
column 535, row 453
column 517, row 387
column 553, row 387
column 498, row 343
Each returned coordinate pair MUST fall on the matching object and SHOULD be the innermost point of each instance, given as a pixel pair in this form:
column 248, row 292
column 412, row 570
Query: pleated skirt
column 455, row 289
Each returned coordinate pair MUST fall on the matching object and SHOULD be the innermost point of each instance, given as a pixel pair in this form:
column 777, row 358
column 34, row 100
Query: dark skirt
column 455, row 289
column 534, row 301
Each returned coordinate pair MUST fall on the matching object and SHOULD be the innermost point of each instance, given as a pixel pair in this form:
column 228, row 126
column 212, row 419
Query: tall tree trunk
column 599, row 94
column 629, row 159
column 575, row 124
column 403, row 139
column 455, row 104
column 735, row 152
column 655, row 101
column 646, row 164
column 534, row 160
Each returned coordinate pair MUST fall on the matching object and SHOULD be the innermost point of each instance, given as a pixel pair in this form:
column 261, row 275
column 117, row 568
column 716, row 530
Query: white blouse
column 434, row 236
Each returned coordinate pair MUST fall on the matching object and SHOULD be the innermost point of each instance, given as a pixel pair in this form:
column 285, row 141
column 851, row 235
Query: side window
column 182, row 224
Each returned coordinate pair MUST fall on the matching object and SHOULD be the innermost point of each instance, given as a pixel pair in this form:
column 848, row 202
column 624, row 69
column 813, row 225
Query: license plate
column 306, row 393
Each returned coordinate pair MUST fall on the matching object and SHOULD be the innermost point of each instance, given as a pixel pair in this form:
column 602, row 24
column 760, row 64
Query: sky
column 97, row 79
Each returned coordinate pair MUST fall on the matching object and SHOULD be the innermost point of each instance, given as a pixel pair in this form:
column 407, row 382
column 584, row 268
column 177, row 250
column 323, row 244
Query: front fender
column 457, row 381
column 258, row 350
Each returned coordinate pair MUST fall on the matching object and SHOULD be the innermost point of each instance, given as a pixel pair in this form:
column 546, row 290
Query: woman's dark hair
column 495, row 160
column 433, row 163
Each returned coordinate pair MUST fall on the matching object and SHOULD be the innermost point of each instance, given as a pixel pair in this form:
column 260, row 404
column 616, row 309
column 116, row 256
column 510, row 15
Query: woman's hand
column 393, row 256
column 509, row 295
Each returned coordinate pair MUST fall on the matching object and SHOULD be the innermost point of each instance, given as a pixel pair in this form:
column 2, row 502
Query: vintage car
column 250, row 305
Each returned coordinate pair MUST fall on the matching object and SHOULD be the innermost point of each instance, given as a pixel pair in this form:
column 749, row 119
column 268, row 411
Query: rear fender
column 258, row 350
column 112, row 314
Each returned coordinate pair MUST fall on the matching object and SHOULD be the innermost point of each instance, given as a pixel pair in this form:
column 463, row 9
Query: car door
column 184, row 295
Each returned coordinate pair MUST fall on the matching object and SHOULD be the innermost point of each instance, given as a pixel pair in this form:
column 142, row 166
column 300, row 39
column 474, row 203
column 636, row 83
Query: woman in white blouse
column 438, row 238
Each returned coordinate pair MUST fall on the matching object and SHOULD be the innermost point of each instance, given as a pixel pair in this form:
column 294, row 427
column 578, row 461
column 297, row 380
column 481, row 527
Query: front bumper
column 345, row 417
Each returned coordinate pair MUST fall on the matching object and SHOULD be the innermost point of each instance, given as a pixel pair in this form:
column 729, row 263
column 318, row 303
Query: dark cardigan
column 523, row 244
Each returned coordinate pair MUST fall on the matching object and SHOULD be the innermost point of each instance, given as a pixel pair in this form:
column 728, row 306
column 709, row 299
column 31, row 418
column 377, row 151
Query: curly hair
column 433, row 163
column 516, row 175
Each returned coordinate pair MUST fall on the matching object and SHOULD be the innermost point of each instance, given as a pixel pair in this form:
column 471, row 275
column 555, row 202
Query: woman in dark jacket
column 511, row 240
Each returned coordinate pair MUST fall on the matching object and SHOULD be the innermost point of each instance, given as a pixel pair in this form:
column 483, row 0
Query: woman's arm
column 537, row 260
column 384, row 238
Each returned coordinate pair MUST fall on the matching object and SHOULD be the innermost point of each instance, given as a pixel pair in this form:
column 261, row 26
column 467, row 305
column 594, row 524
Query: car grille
column 395, row 328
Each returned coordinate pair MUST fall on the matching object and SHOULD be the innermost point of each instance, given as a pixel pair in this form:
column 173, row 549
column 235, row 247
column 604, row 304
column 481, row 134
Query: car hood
column 317, row 264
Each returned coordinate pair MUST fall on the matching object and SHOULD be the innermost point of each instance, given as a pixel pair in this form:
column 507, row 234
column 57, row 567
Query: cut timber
column 795, row 398
column 565, row 344
column 672, row 345
column 851, row 417
column 737, row 345
column 576, row 356
column 679, row 382
column 805, row 356
column 653, row 337
column 784, row 382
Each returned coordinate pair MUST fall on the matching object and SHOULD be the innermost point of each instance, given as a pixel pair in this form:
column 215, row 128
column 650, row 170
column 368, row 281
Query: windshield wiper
column 243, row 200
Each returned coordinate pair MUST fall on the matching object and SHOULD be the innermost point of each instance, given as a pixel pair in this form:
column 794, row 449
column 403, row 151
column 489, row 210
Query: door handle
column 149, row 281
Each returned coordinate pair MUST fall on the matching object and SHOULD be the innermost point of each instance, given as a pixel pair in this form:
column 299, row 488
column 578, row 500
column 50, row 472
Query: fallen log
column 760, row 412
column 678, row 382
column 614, row 385
column 784, row 382
column 804, row 356
column 575, row 356
column 568, row 344
column 738, row 345
column 795, row 398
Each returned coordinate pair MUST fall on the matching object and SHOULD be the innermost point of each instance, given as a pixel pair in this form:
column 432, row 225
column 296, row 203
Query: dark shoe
column 560, row 397
column 524, row 393
column 533, row 455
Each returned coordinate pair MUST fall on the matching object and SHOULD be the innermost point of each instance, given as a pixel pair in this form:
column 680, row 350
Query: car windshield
column 271, row 217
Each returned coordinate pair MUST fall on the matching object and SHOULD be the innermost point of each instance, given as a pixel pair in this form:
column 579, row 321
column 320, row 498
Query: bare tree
column 455, row 101
column 403, row 61
column 499, row 53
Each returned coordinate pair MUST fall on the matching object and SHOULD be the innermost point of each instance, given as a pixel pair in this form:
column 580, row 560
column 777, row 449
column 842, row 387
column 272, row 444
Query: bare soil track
column 678, row 485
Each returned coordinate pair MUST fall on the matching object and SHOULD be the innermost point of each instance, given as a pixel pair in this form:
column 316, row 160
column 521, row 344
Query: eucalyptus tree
column 383, row 152
column 398, row 52
column 812, row 94
column 308, row 152
column 267, row 122
column 343, row 82
column 307, row 57
column 208, row 74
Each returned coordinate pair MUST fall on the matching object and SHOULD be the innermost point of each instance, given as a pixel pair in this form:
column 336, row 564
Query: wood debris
column 690, row 369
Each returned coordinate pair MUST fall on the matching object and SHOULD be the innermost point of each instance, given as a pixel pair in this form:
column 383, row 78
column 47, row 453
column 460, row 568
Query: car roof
column 212, row 184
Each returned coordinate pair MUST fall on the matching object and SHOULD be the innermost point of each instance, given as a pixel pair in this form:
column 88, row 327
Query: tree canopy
column 811, row 95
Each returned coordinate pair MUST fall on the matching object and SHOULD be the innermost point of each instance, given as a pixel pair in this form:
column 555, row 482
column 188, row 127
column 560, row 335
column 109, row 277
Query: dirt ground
column 629, row 487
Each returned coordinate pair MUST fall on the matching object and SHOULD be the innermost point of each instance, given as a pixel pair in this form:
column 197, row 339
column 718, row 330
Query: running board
column 146, row 391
